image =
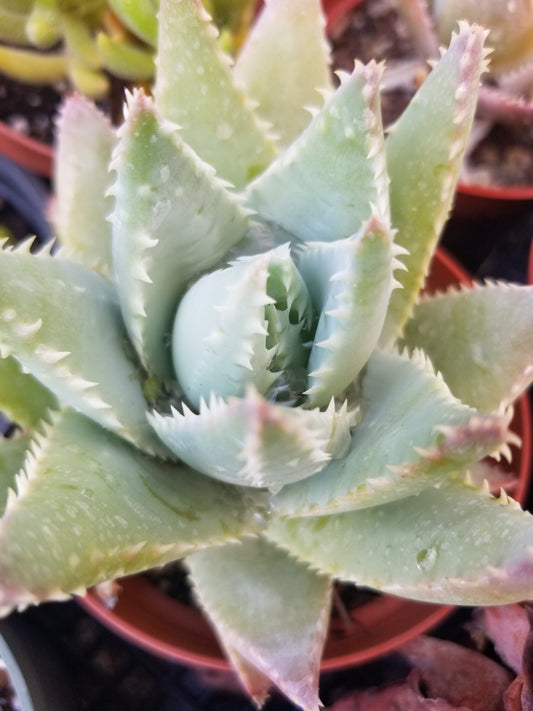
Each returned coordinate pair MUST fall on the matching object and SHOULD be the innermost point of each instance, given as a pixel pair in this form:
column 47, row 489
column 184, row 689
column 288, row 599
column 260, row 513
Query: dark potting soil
column 373, row 30
column 32, row 110
column 29, row 109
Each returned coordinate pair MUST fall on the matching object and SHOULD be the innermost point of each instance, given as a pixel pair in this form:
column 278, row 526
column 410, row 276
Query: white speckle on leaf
column 224, row 131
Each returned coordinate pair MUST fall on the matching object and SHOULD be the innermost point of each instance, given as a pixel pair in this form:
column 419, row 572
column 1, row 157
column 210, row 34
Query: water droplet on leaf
column 426, row 559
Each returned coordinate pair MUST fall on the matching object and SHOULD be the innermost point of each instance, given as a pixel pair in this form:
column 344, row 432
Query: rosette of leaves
column 236, row 368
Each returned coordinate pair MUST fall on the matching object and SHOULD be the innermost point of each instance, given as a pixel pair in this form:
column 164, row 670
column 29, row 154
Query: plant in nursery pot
column 63, row 45
column 235, row 370
column 94, row 47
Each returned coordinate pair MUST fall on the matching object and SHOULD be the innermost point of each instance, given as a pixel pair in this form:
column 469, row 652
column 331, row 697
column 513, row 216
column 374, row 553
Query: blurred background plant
column 89, row 41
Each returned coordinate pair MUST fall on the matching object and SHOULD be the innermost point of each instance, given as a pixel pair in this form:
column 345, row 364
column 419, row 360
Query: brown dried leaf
column 512, row 698
column 400, row 696
column 461, row 676
column 507, row 626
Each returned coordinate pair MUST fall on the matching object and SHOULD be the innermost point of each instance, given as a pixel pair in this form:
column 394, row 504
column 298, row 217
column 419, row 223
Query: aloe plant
column 236, row 368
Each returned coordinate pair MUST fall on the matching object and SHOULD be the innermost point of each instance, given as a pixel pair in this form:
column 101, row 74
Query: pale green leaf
column 172, row 220
column 338, row 160
column 221, row 341
column 413, row 434
column 255, row 442
column 350, row 282
column 272, row 610
column 195, row 89
column 424, row 164
column 480, row 339
column 452, row 545
column 80, row 208
column 61, row 321
column 22, row 398
column 90, row 508
column 284, row 65
column 139, row 16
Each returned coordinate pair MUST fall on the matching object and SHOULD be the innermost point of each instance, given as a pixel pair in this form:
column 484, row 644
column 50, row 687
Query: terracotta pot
column 29, row 153
column 481, row 201
column 169, row 629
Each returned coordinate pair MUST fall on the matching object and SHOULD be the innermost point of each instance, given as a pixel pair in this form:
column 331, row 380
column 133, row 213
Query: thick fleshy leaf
column 339, row 160
column 80, row 209
column 284, row 65
column 195, row 89
column 350, row 282
column 139, row 16
column 221, row 342
column 480, row 339
column 173, row 219
column 61, row 321
column 13, row 24
column 413, row 434
column 254, row 681
column 424, row 165
column 89, row 508
column 272, row 610
column 255, row 442
column 453, row 544
column 12, row 454
column 125, row 59
column 22, row 398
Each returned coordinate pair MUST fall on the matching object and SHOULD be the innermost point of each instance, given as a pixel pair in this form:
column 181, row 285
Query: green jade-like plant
column 87, row 41
column 227, row 371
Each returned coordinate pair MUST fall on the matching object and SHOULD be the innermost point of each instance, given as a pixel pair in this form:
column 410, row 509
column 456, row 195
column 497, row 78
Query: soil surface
column 32, row 110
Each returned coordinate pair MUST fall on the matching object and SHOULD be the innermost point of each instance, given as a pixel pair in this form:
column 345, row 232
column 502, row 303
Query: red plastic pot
column 29, row 153
column 155, row 622
column 492, row 201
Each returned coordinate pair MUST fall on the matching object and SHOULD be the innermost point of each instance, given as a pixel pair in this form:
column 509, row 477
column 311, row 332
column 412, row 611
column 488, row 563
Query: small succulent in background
column 88, row 41
column 505, row 96
column 235, row 368
column 44, row 42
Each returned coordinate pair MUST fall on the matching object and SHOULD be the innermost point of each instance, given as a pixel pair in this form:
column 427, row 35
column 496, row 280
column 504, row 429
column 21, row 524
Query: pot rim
column 27, row 152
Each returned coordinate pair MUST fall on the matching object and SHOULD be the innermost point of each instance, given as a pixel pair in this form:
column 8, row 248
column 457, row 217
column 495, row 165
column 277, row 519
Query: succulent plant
column 86, row 41
column 47, row 41
column 236, row 368
column 505, row 97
